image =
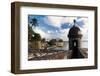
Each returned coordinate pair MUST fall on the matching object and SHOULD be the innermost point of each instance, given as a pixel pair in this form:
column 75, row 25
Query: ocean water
column 84, row 44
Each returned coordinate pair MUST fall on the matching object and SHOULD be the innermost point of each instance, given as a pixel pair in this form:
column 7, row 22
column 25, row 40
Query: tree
column 52, row 42
column 60, row 40
column 43, row 40
column 31, row 32
column 36, row 37
column 34, row 22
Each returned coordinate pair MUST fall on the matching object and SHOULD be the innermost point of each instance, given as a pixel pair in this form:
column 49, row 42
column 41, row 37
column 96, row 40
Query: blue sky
column 58, row 26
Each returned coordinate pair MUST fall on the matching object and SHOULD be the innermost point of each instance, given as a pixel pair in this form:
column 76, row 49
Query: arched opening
column 75, row 48
column 75, row 43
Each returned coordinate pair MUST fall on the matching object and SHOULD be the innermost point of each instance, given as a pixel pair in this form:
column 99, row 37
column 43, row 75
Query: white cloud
column 56, row 31
column 69, row 19
column 84, row 29
column 56, row 21
column 41, row 32
column 49, row 32
column 85, row 19
column 64, row 34
column 47, row 35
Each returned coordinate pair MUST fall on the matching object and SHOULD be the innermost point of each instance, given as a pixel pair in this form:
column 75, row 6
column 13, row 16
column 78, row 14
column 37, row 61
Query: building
column 43, row 44
column 36, row 45
column 75, row 41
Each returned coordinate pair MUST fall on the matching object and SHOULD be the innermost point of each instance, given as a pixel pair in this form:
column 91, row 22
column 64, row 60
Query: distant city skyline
column 57, row 27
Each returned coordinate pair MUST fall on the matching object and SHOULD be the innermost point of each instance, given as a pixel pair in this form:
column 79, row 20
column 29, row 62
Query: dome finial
column 74, row 22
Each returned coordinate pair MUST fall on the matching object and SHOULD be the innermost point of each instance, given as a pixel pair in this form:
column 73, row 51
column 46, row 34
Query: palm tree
column 31, row 32
column 33, row 37
column 34, row 22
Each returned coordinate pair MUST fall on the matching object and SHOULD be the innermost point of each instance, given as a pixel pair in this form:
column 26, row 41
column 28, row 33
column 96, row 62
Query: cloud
column 58, row 26
column 41, row 32
column 68, row 19
column 83, row 23
column 49, row 32
column 63, row 34
column 55, row 21
column 66, row 25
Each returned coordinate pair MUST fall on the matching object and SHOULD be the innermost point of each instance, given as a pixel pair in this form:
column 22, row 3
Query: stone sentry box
column 75, row 41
